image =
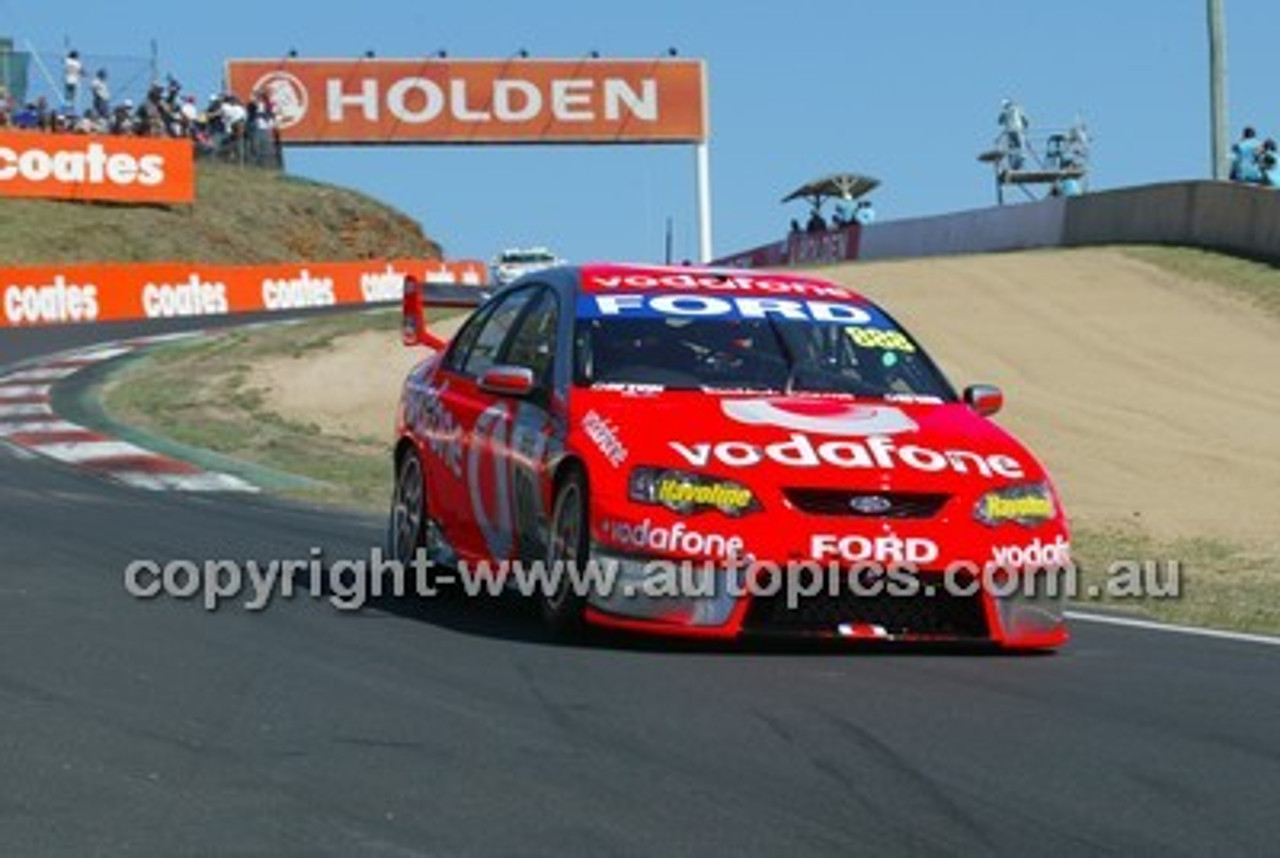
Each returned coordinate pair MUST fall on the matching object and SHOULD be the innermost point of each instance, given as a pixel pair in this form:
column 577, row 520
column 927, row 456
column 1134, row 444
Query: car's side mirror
column 986, row 399
column 507, row 380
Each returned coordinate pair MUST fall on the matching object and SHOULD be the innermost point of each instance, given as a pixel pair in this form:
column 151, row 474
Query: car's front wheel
column 567, row 551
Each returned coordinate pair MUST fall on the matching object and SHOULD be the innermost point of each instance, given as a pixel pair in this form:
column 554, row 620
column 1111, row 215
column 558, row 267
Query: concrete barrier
column 1240, row 219
column 1233, row 218
column 1015, row 227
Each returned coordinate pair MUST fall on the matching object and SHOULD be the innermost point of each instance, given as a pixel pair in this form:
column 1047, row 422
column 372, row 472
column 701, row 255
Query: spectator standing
column 101, row 95
column 72, row 71
column 844, row 210
column 1015, row 124
column 865, row 213
column 1269, row 163
column 1244, row 158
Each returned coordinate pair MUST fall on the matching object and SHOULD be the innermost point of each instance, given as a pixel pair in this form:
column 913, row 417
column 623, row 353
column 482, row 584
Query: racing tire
column 568, row 545
column 407, row 527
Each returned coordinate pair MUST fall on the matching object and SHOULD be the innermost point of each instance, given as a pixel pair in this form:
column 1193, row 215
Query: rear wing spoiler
column 418, row 296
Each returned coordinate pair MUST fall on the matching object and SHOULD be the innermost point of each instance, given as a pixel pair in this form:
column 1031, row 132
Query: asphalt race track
column 416, row 727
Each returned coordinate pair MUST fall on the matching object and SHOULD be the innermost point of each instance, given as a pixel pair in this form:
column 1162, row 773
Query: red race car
column 718, row 453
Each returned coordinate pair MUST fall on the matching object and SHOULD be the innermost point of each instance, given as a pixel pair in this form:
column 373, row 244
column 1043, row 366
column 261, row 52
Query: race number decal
column 877, row 338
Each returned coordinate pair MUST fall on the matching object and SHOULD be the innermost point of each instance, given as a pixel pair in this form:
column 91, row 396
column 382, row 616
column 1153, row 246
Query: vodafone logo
column 194, row 297
column 52, row 303
column 1036, row 555
column 87, row 164
column 825, row 417
column 287, row 95
column 296, row 293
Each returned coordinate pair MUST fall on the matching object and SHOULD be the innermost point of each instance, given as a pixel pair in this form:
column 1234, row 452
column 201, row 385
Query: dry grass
column 241, row 215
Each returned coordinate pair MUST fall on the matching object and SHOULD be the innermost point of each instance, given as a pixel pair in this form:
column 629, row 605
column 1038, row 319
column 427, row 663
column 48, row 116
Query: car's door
column 533, row 429
column 475, row 511
column 449, row 408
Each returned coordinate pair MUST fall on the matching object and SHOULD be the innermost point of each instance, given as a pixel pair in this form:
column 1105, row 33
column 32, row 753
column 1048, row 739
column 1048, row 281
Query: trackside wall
column 1239, row 219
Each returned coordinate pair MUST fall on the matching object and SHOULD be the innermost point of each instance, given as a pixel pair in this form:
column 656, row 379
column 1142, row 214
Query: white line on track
column 1192, row 631
column 23, row 391
column 82, row 452
column 205, row 482
column 94, row 355
column 38, row 409
column 41, row 373
column 39, row 427
column 165, row 338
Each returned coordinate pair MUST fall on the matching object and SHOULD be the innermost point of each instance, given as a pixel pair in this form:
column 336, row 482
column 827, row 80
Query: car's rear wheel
column 407, row 530
column 568, row 549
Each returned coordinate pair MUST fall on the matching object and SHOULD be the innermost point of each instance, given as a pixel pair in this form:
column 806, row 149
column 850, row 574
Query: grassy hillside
column 240, row 216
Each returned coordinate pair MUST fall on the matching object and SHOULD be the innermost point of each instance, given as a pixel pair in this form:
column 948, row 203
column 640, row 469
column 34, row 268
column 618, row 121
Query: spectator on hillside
column 101, row 95
column 1244, row 158
column 122, row 118
column 72, row 71
column 27, row 117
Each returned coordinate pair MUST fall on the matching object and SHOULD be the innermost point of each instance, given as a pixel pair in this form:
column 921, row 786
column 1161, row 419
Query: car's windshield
column 872, row 359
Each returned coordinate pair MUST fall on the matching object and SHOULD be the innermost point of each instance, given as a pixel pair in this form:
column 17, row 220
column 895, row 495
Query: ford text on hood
column 745, row 454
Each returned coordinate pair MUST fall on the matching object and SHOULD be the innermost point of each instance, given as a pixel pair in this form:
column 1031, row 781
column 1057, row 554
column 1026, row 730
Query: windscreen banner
column 85, row 294
column 517, row 100
column 96, row 167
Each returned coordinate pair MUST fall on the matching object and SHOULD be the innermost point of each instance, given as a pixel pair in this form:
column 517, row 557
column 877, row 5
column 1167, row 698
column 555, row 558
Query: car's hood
column 801, row 441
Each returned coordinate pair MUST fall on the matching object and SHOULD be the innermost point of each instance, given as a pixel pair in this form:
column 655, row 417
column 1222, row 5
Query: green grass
column 197, row 394
column 1256, row 282
column 241, row 215
column 1222, row 585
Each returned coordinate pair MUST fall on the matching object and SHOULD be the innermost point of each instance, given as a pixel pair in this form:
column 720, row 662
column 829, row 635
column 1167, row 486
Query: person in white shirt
column 72, row 70
column 101, row 94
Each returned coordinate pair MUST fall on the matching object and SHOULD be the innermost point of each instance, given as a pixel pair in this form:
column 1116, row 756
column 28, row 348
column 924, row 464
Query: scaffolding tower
column 1054, row 162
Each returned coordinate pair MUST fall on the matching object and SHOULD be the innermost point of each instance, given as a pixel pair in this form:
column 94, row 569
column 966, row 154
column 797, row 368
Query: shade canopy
column 851, row 185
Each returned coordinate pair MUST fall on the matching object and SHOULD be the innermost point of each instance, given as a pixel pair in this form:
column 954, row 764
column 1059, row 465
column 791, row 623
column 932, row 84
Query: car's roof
column 526, row 251
column 686, row 279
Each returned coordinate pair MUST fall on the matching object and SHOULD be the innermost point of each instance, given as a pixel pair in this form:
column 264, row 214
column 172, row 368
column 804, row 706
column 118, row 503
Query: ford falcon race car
column 742, row 453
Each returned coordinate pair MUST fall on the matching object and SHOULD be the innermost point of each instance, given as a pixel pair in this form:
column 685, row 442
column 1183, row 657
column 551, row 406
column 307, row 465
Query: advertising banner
column 479, row 101
column 79, row 294
column 96, row 167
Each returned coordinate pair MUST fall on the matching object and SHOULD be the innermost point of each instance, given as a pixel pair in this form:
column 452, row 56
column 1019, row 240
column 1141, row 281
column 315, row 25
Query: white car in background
column 516, row 262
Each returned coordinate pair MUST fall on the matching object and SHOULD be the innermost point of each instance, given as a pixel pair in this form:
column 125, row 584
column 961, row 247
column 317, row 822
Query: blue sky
column 906, row 91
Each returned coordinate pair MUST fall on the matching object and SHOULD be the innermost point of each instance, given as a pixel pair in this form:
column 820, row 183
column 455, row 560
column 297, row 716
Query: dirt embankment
column 1151, row 397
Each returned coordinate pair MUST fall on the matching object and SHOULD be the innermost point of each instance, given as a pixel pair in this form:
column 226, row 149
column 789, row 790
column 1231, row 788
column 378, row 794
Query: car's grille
column 940, row 614
column 866, row 504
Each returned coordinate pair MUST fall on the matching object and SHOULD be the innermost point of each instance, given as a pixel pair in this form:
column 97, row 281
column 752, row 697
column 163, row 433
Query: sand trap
column 1152, row 399
column 351, row 390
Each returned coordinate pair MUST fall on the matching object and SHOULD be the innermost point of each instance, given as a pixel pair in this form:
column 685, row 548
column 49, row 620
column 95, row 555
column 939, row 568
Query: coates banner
column 480, row 101
column 91, row 167
column 77, row 294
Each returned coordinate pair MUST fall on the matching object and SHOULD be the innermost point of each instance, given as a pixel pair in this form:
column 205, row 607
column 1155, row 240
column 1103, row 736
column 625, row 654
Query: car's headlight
column 686, row 492
column 1027, row 504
